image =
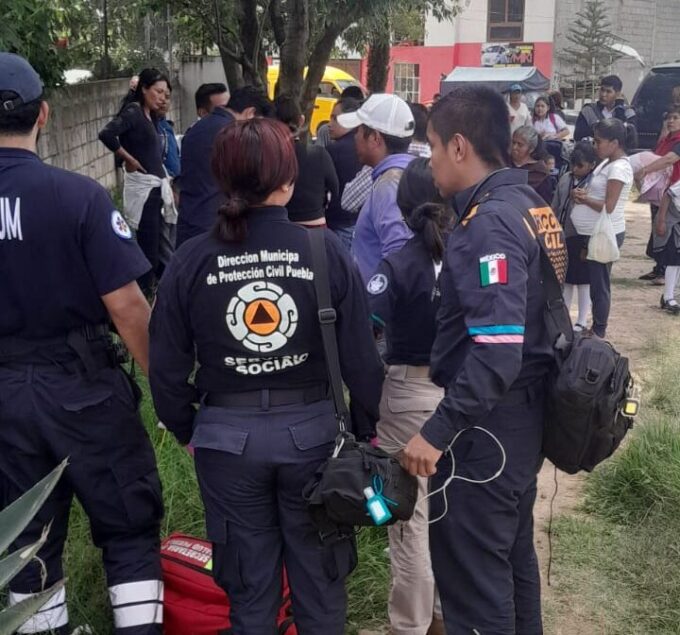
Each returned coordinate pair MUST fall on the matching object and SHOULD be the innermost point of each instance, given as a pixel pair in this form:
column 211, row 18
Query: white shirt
column 546, row 126
column 584, row 217
column 520, row 117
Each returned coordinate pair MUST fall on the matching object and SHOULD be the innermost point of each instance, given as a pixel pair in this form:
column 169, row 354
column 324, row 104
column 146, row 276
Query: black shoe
column 670, row 306
column 649, row 276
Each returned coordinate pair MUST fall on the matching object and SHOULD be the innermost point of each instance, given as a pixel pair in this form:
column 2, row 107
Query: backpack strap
column 327, row 318
column 557, row 318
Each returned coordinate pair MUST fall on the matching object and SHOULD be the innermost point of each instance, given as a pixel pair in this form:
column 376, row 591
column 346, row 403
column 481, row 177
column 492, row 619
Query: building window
column 506, row 21
column 407, row 81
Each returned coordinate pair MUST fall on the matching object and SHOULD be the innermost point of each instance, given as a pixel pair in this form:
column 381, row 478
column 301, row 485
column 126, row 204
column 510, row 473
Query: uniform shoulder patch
column 120, row 226
column 493, row 269
column 377, row 284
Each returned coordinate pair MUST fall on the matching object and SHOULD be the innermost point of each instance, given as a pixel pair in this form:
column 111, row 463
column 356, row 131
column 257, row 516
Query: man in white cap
column 384, row 130
column 519, row 112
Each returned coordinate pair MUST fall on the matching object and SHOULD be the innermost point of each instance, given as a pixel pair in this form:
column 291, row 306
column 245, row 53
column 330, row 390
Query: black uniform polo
column 404, row 299
column 63, row 245
column 247, row 312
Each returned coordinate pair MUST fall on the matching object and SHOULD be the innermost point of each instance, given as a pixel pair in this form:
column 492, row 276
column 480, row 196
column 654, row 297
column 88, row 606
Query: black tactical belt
column 267, row 397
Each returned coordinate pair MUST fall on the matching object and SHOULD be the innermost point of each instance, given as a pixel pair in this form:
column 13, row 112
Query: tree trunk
column 318, row 60
column 251, row 40
column 232, row 70
column 379, row 57
column 294, row 49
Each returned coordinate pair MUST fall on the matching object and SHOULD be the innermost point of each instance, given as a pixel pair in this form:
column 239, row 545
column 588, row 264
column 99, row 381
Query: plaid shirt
column 357, row 191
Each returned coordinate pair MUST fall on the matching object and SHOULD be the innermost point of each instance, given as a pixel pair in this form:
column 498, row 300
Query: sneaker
column 658, row 281
column 670, row 306
column 579, row 328
column 649, row 276
column 83, row 630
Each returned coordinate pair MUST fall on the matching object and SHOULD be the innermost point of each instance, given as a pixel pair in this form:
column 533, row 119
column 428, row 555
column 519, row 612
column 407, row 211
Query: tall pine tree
column 590, row 36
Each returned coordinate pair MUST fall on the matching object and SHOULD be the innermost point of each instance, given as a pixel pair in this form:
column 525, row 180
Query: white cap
column 388, row 114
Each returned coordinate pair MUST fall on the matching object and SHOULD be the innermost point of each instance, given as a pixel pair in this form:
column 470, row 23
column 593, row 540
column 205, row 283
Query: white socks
column 584, row 303
column 672, row 276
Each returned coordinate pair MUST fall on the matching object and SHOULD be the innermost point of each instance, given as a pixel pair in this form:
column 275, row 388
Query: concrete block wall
column 77, row 114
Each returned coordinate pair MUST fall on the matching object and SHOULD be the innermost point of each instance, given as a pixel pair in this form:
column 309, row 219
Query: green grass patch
column 621, row 557
column 86, row 588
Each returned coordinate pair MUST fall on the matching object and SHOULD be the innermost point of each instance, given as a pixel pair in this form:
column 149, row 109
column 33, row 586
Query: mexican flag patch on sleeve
column 493, row 269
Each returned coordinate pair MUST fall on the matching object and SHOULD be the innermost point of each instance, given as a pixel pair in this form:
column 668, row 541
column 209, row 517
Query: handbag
column 602, row 245
column 336, row 496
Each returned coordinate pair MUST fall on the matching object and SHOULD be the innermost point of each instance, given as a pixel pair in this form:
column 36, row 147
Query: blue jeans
column 600, row 291
column 346, row 235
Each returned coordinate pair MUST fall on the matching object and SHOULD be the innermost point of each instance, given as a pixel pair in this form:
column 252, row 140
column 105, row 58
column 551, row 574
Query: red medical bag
column 194, row 604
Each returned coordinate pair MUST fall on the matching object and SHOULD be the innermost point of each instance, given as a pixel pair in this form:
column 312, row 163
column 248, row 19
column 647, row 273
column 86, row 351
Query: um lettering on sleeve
column 10, row 219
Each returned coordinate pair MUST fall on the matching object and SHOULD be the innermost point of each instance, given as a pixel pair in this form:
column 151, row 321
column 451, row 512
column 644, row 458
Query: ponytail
column 231, row 223
column 431, row 221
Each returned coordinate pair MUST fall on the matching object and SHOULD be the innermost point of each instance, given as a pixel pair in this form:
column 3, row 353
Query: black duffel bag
column 337, row 489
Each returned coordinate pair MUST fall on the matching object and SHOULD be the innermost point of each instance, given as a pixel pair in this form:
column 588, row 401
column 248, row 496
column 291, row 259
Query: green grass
column 621, row 555
column 86, row 588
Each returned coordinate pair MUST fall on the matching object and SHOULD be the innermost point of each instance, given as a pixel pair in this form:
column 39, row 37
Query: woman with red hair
column 239, row 304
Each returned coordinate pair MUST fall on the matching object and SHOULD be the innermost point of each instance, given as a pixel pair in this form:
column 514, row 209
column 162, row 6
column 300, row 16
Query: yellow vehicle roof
column 331, row 73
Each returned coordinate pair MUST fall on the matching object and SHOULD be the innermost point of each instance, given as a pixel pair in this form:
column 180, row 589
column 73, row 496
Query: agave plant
column 13, row 520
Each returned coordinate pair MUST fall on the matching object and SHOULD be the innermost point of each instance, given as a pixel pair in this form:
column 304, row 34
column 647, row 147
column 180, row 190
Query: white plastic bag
column 602, row 246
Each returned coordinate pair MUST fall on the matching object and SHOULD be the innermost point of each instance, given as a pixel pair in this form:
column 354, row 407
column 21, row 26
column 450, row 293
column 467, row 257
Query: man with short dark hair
column 384, row 130
column 70, row 267
column 200, row 197
column 210, row 96
column 609, row 105
column 492, row 354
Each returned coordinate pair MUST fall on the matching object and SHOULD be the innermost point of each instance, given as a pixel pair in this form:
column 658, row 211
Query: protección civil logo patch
column 120, row 226
column 262, row 317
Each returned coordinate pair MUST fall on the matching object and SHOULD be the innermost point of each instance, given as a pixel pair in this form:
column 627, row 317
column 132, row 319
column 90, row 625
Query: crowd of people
column 431, row 261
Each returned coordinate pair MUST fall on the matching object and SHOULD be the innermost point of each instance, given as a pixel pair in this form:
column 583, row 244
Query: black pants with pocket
column 483, row 554
column 149, row 238
column 48, row 413
column 252, row 464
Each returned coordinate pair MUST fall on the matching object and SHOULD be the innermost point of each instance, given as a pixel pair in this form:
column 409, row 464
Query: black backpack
column 589, row 406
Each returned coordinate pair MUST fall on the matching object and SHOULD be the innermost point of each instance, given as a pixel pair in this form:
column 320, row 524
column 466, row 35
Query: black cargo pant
column 483, row 555
column 48, row 413
column 252, row 465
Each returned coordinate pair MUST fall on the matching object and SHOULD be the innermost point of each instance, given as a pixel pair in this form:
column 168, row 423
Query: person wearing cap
column 384, row 130
column 518, row 110
column 69, row 268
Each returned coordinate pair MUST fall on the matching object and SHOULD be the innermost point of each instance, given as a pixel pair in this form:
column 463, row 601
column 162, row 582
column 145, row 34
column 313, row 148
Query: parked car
column 652, row 100
column 333, row 83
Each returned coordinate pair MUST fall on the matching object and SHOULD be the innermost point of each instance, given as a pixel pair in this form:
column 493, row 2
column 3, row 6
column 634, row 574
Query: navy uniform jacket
column 200, row 196
column 247, row 312
column 491, row 335
column 404, row 298
column 63, row 245
column 344, row 155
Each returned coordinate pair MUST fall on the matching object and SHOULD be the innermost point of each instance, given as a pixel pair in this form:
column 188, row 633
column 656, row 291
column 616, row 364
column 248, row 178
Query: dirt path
column 636, row 323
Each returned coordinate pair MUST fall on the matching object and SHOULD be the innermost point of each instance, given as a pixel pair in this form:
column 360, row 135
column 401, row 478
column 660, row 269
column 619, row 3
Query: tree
column 302, row 32
column 29, row 28
column 590, row 34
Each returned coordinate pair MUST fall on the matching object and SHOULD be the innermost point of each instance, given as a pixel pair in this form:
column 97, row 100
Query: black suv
column 652, row 100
